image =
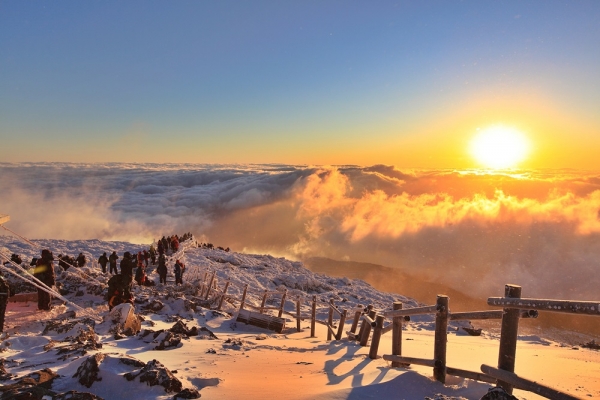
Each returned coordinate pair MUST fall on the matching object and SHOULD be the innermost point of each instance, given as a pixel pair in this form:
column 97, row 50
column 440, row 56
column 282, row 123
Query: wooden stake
column 313, row 317
column 264, row 301
column 397, row 334
column 330, row 319
column 441, row 338
column 364, row 339
column 223, row 295
column 212, row 279
column 357, row 314
column 376, row 337
column 282, row 303
column 508, row 336
column 243, row 301
column 298, row 315
column 341, row 325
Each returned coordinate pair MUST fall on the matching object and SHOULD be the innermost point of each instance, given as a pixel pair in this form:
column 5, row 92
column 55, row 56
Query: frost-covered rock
column 155, row 373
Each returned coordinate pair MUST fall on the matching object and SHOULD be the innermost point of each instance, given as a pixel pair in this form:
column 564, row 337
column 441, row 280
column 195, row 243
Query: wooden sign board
column 4, row 218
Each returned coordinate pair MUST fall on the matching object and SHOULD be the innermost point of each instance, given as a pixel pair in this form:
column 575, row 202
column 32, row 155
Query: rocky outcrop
column 155, row 373
column 89, row 369
column 33, row 386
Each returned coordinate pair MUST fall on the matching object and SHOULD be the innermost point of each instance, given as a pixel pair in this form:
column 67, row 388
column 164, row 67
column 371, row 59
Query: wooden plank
column 265, row 321
column 489, row 314
column 476, row 376
column 411, row 311
column 409, row 360
column 369, row 320
column 4, row 218
column 560, row 306
column 526, row 384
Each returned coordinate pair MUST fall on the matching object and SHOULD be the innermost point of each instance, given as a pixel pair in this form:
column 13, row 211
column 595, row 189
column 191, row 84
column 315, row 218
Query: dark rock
column 132, row 362
column 591, row 345
column 88, row 370
column 181, row 327
column 206, row 334
column 75, row 395
column 154, row 373
column 170, row 340
column 497, row 393
column 155, row 305
column 33, row 386
column 4, row 375
column 187, row 394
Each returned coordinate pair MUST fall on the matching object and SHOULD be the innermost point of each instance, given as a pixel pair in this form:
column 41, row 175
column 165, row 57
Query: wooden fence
column 514, row 309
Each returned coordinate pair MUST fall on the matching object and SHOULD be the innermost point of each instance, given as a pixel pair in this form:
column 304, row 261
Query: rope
column 78, row 271
column 21, row 237
column 42, row 286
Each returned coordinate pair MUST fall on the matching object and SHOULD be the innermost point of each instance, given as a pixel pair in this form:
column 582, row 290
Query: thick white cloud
column 474, row 231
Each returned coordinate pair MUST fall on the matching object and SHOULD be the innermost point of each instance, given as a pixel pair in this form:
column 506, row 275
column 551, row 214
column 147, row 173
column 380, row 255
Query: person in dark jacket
column 127, row 265
column 81, row 260
column 44, row 271
column 179, row 268
column 140, row 275
column 112, row 262
column 119, row 290
column 103, row 260
column 162, row 268
column 152, row 254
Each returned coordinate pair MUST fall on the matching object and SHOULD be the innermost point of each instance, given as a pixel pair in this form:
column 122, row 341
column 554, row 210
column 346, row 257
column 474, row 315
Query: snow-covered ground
column 242, row 361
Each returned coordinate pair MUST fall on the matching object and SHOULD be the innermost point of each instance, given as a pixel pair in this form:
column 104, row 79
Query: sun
column 499, row 147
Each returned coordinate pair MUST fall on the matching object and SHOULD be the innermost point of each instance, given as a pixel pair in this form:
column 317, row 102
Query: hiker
column 162, row 268
column 140, row 275
column 127, row 265
column 175, row 243
column 44, row 271
column 153, row 254
column 62, row 262
column 161, row 247
column 103, row 260
column 4, row 294
column 81, row 260
column 179, row 269
column 113, row 263
column 119, row 290
column 146, row 257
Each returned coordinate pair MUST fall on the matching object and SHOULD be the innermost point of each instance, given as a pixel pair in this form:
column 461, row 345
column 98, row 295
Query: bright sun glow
column 499, row 147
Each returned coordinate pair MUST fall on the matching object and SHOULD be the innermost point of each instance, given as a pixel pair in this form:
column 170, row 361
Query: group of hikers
column 120, row 285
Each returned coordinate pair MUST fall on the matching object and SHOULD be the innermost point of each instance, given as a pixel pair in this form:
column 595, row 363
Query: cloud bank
column 474, row 231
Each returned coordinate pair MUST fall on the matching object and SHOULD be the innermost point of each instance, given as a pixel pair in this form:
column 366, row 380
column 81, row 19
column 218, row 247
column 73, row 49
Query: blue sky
column 322, row 82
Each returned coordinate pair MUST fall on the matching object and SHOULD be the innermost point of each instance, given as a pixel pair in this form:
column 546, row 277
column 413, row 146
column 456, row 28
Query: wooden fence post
column 243, row 301
column 397, row 334
column 508, row 336
column 223, row 295
column 212, row 279
column 367, row 332
column 264, row 301
column 298, row 314
column 376, row 337
column 441, row 338
column 341, row 325
column 313, row 317
column 363, row 324
column 330, row 319
column 357, row 314
column 283, row 296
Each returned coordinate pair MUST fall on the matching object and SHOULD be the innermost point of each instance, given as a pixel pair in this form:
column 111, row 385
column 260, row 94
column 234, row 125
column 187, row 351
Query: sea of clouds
column 472, row 230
